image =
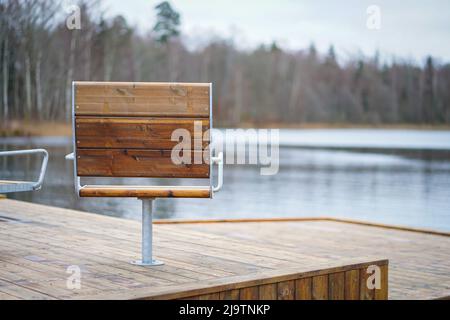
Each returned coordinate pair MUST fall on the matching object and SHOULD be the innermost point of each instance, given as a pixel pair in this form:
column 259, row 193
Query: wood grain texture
column 320, row 287
column 286, row 290
column 143, row 133
column 303, row 289
column 352, row 285
column 268, row 292
column 210, row 296
column 142, row 99
column 249, row 293
column 229, row 295
column 145, row 192
column 124, row 129
column 136, row 89
column 336, row 285
column 318, row 219
column 382, row 293
column 365, row 292
column 39, row 242
column 138, row 163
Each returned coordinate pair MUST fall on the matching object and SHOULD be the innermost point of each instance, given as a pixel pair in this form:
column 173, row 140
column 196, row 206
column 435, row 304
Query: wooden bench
column 124, row 129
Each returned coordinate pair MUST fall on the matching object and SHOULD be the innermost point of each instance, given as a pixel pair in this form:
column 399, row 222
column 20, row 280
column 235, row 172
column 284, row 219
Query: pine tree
column 428, row 100
column 168, row 21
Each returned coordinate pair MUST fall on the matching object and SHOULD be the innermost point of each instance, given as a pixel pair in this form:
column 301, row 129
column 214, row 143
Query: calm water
column 389, row 176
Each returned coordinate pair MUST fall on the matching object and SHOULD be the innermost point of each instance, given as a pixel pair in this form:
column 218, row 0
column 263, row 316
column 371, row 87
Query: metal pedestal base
column 147, row 236
column 147, row 264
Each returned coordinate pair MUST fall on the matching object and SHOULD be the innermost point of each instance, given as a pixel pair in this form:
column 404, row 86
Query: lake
column 397, row 177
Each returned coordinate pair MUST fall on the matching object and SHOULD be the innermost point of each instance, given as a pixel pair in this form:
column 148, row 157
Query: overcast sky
column 409, row 29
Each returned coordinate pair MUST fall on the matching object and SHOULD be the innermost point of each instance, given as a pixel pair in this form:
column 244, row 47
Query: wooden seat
column 146, row 191
column 124, row 129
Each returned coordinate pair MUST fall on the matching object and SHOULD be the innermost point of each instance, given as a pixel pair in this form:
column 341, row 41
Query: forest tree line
column 40, row 57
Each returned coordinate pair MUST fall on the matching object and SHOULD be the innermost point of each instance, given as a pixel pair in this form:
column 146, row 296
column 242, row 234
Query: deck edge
column 248, row 280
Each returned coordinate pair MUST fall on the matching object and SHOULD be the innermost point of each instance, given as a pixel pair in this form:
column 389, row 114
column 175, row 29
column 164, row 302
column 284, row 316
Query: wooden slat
column 317, row 219
column 249, row 293
column 144, row 133
column 303, row 289
column 190, row 298
column 352, row 285
column 211, row 296
column 286, row 290
column 364, row 292
column 229, row 295
column 145, row 192
column 382, row 293
column 268, row 291
column 137, row 163
column 138, row 89
column 336, row 284
column 320, row 287
column 175, row 109
column 127, row 101
column 142, row 99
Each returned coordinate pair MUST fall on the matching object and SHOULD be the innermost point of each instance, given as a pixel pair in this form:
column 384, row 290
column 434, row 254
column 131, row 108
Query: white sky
column 409, row 29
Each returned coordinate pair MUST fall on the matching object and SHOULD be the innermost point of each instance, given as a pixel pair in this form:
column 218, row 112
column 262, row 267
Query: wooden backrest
column 123, row 129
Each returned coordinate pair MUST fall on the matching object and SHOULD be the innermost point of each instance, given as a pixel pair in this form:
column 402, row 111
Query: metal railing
column 7, row 186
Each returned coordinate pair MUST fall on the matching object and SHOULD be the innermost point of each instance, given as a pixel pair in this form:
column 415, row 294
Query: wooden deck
column 38, row 243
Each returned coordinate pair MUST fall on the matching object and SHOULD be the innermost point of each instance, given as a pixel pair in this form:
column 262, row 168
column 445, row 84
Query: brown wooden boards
column 286, row 290
column 39, row 243
column 146, row 191
column 268, row 291
column 336, row 285
column 126, row 129
column 138, row 163
column 352, row 285
column 320, row 287
column 138, row 133
column 303, row 289
column 382, row 292
column 142, row 99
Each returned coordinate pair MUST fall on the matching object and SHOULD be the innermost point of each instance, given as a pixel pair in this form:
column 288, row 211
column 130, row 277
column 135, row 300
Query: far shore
column 21, row 128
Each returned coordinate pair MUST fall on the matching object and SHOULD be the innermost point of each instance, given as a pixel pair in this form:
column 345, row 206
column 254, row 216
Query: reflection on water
column 397, row 187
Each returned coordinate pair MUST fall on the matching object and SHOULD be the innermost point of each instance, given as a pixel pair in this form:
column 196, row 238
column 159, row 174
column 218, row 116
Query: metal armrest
column 34, row 185
column 70, row 156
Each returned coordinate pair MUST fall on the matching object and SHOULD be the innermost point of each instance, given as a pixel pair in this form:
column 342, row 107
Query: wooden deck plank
column 336, row 285
column 351, row 287
column 320, row 287
column 268, row 292
column 286, row 290
column 40, row 242
column 303, row 289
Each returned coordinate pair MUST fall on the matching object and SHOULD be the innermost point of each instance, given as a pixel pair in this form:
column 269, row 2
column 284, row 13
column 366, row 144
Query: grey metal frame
column 19, row 186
